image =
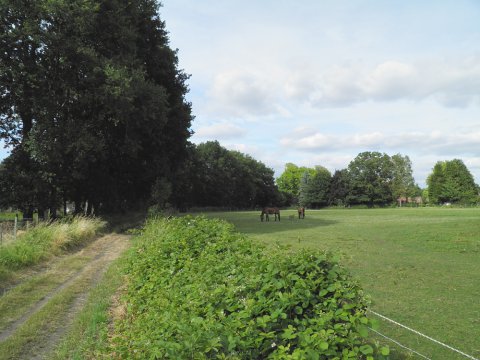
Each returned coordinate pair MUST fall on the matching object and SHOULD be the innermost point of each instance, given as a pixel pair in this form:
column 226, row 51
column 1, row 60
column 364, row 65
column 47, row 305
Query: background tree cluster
column 92, row 104
column 451, row 182
column 372, row 178
column 217, row 177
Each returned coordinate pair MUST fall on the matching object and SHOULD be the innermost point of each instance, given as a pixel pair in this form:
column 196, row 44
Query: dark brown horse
column 266, row 211
column 301, row 212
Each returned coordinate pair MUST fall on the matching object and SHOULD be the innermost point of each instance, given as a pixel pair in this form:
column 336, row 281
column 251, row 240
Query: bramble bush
column 199, row 290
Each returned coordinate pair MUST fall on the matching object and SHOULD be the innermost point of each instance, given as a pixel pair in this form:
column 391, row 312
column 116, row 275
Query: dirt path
column 97, row 257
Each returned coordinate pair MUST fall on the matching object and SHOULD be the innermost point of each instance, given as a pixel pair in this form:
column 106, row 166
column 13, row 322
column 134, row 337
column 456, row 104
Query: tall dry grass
column 46, row 240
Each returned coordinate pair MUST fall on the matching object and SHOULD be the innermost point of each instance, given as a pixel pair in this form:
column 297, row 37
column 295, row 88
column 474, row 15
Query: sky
column 316, row 82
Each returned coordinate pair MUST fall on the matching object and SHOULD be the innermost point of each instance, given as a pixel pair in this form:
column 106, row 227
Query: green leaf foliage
column 371, row 174
column 289, row 181
column 221, row 177
column 314, row 188
column 199, row 290
column 92, row 104
column 451, row 181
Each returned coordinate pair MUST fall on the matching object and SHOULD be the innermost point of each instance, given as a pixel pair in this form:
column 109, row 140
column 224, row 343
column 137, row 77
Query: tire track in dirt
column 103, row 251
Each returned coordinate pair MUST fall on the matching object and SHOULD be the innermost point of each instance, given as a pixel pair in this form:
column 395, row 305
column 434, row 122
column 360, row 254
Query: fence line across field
column 399, row 344
column 423, row 335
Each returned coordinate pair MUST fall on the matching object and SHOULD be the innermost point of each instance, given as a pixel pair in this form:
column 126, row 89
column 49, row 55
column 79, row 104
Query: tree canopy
column 371, row 175
column 91, row 101
column 451, row 181
column 289, row 181
column 227, row 178
column 315, row 187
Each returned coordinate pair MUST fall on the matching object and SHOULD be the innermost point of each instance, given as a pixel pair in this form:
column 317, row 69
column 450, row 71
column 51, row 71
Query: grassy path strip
column 39, row 329
column 17, row 302
column 23, row 297
column 30, row 339
column 90, row 334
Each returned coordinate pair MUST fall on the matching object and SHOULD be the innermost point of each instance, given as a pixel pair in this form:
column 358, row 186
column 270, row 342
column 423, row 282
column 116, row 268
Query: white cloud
column 240, row 93
column 255, row 93
column 391, row 80
column 452, row 84
column 422, row 143
column 244, row 148
column 473, row 164
column 220, row 131
column 319, row 141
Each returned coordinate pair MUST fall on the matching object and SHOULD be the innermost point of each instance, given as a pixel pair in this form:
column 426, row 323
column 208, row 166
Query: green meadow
column 420, row 266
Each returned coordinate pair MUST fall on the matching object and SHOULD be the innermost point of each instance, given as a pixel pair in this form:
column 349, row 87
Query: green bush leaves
column 199, row 290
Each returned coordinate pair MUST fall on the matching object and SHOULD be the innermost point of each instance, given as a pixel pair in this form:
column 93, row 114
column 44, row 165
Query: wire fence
column 420, row 335
column 11, row 228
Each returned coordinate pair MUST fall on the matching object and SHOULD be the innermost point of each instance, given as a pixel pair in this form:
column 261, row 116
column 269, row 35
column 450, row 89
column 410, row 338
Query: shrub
column 197, row 289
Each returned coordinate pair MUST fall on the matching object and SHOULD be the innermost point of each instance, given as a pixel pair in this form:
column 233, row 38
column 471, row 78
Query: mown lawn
column 421, row 266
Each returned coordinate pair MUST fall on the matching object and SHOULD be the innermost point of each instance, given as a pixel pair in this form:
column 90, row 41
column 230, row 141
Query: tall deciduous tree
column 451, row 181
column 314, row 188
column 403, row 183
column 340, row 185
column 290, row 180
column 371, row 175
column 92, row 99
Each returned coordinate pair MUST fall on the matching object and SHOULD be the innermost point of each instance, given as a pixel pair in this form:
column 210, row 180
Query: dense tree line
column 371, row 179
column 377, row 179
column 92, row 104
column 217, row 177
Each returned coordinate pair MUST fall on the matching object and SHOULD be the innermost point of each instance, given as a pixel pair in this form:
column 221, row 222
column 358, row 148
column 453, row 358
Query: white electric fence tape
column 402, row 346
column 425, row 336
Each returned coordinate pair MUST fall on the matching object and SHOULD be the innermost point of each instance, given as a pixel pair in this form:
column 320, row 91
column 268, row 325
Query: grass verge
column 44, row 241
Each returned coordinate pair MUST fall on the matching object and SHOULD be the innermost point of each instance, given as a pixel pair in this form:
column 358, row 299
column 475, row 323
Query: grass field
column 421, row 266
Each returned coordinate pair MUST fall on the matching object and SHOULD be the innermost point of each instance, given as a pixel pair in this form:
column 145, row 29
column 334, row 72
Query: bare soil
column 102, row 253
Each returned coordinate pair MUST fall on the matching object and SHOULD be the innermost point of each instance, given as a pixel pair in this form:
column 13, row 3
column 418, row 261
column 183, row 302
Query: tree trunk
column 78, row 206
column 89, row 210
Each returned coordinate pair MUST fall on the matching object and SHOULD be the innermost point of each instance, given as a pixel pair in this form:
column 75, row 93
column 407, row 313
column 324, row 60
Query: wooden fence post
column 15, row 227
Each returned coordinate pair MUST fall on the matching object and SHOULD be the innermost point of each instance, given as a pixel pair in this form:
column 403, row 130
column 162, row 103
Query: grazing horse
column 301, row 212
column 266, row 211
